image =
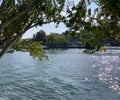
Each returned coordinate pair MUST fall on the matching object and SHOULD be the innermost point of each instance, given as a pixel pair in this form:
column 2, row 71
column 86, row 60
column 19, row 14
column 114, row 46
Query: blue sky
column 48, row 28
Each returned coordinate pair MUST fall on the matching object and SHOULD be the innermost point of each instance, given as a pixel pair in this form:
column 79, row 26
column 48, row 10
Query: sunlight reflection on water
column 108, row 68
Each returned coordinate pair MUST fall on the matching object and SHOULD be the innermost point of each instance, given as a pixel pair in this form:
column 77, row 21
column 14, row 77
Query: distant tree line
column 64, row 40
column 40, row 37
column 55, row 39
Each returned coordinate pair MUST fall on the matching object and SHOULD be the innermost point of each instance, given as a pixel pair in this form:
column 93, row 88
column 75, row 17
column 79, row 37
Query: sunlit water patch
column 107, row 67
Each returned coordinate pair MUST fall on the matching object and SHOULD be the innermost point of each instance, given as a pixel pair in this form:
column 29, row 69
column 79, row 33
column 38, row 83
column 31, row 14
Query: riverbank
column 62, row 47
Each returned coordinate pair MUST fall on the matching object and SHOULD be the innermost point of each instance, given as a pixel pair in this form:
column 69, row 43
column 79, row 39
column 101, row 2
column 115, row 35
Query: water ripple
column 68, row 75
column 108, row 68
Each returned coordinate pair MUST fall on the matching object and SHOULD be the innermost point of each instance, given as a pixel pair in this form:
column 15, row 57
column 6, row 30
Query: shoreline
column 61, row 47
column 76, row 47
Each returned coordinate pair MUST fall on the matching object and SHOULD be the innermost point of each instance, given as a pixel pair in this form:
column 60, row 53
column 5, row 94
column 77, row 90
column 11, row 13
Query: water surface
column 68, row 75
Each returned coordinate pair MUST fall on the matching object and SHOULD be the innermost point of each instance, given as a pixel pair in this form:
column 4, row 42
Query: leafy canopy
column 17, row 16
column 95, row 26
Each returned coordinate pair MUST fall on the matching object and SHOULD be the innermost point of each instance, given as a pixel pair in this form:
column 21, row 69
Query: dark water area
column 68, row 75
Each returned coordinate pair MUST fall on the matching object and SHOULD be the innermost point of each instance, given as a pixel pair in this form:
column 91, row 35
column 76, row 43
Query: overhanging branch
column 6, row 23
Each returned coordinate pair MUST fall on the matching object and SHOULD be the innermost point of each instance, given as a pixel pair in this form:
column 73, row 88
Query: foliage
column 95, row 28
column 40, row 36
column 89, row 51
column 34, row 48
column 17, row 16
column 56, row 40
column 74, row 40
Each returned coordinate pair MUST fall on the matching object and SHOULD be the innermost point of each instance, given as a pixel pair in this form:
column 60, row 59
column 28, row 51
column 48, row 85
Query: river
column 68, row 75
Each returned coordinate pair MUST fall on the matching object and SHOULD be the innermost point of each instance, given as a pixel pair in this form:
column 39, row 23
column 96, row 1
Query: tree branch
column 117, row 41
column 6, row 23
column 7, row 47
